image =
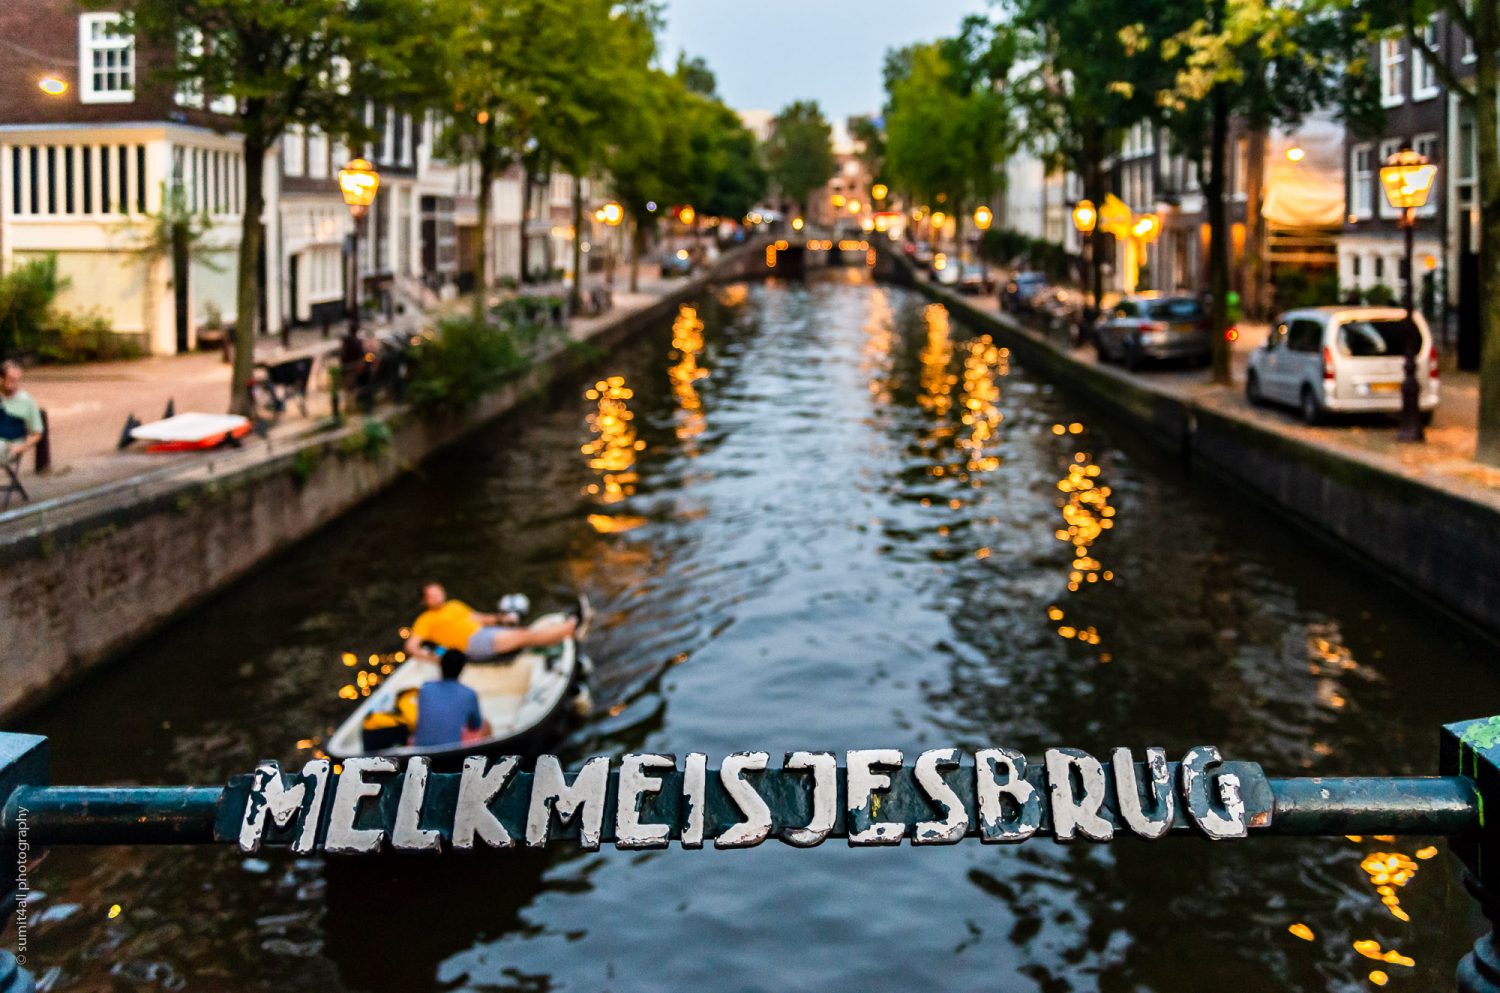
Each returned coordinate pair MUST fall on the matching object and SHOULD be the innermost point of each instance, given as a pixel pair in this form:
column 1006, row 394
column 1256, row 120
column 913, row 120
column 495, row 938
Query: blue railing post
column 1472, row 749
column 23, row 762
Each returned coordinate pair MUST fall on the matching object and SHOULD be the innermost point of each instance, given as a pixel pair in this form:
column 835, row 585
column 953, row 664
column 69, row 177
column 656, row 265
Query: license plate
column 1385, row 387
column 1183, row 328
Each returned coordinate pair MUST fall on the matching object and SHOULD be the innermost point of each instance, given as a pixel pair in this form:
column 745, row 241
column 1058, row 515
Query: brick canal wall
column 79, row 590
column 1443, row 545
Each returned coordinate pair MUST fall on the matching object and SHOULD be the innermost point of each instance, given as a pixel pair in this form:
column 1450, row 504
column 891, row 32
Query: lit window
column 106, row 60
column 1392, row 70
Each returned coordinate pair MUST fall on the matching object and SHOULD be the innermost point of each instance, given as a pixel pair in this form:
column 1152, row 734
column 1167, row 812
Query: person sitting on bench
column 454, row 625
column 20, row 417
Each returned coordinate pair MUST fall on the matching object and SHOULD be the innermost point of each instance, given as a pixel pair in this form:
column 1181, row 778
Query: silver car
column 1341, row 360
column 1150, row 326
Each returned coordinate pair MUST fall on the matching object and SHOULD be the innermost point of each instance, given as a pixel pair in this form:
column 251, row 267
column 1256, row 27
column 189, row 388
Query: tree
column 799, row 152
column 312, row 63
column 1241, row 59
column 1478, row 95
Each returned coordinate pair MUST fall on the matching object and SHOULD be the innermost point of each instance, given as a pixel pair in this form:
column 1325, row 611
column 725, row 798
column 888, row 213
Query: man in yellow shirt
column 454, row 625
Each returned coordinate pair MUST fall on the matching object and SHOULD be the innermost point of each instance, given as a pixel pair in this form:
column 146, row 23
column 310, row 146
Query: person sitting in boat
column 447, row 710
column 454, row 625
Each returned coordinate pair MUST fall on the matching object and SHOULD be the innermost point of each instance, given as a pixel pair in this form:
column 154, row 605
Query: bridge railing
column 373, row 805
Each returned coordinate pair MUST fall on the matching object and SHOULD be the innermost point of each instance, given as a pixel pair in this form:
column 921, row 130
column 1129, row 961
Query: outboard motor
column 514, row 607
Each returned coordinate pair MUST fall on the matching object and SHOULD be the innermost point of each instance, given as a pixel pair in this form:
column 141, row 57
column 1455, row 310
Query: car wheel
column 1252, row 391
column 1312, row 411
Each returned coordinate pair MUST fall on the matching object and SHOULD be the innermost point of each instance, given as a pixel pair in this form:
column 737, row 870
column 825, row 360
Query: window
column 293, row 152
column 1466, row 146
column 189, row 46
column 1427, row 145
column 1361, row 178
column 106, row 60
column 1392, row 68
column 1363, row 339
column 1379, row 267
column 317, row 154
column 1388, row 147
column 1354, row 265
column 1469, row 55
column 1425, row 86
column 1304, row 336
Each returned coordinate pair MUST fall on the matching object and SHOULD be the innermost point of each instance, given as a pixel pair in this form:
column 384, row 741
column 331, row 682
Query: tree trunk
column 1487, row 31
column 247, row 292
column 1218, row 237
column 1257, row 266
column 637, row 237
column 482, row 252
column 525, row 276
column 575, row 295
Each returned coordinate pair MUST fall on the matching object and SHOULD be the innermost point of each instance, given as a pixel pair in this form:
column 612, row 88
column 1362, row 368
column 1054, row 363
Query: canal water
column 814, row 515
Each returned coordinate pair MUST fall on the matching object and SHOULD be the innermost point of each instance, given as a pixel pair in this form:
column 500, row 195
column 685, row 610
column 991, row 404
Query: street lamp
column 52, row 85
column 879, row 191
column 611, row 214
column 1085, row 218
column 1407, row 179
column 983, row 217
column 358, row 182
column 1145, row 229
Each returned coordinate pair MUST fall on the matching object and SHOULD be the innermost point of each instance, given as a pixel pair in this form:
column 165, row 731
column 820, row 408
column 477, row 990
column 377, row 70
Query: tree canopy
column 799, row 151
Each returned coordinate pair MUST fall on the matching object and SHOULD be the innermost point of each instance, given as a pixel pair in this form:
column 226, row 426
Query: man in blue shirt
column 447, row 708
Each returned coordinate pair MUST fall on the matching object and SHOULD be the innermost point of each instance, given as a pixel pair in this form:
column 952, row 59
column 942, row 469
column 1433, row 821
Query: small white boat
column 527, row 698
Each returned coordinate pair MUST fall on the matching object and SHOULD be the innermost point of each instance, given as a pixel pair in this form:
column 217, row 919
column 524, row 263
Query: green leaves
column 799, row 151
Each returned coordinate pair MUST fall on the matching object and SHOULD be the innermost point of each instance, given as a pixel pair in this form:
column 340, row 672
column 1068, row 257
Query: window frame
column 1424, row 82
column 88, row 45
column 1388, row 147
column 1434, row 154
column 1361, row 183
column 1392, row 58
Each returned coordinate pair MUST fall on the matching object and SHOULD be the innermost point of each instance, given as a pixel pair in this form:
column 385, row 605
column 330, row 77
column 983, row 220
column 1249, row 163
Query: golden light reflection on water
column 687, row 344
column 875, row 354
column 979, row 401
column 613, row 450
column 936, row 356
column 1086, row 515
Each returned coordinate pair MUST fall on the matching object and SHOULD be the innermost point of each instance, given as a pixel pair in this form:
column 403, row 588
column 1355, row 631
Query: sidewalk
column 1445, row 460
column 87, row 405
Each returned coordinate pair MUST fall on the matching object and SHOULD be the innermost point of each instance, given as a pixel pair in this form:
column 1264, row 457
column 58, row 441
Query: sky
column 767, row 53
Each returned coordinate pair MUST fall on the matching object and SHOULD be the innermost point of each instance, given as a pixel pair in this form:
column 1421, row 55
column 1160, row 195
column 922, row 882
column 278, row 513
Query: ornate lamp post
column 1145, row 230
column 1085, row 218
column 1407, row 179
column 358, row 182
column 983, row 218
column 611, row 214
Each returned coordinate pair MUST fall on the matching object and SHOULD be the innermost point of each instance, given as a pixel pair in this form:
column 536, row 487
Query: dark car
column 1150, row 326
column 1019, row 291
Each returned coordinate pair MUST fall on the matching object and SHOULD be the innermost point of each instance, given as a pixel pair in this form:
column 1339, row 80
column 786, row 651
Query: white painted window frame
column 88, row 45
column 1424, row 82
column 1392, row 58
column 1362, row 183
column 1430, row 139
column 1388, row 147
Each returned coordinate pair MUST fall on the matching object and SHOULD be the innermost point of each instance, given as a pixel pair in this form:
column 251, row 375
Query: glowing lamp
column 839, row 200
column 1146, row 227
column 687, row 215
column 1295, row 154
column 983, row 216
column 359, row 182
column 1085, row 216
column 53, row 86
column 1407, row 179
column 612, row 214
column 879, row 191
column 797, row 224
column 939, row 219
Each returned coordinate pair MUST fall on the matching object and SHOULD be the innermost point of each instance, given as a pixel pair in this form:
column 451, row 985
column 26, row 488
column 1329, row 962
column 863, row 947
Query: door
column 1301, row 361
column 293, row 301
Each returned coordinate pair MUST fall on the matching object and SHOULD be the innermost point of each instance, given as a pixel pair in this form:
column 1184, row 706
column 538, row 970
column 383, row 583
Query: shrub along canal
column 817, row 515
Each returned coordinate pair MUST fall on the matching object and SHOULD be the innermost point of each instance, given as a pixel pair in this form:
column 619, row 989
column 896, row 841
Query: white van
column 1341, row 360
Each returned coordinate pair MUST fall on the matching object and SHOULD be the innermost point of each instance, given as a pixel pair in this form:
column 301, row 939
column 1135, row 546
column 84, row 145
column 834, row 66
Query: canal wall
column 1441, row 544
column 79, row 587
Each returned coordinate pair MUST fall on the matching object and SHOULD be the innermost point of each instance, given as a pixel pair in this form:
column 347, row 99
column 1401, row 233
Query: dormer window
column 106, row 60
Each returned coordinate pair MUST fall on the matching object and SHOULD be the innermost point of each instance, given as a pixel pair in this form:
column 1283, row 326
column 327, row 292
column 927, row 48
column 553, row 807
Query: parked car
column 1020, row 289
column 1339, row 360
column 676, row 263
column 922, row 256
column 975, row 278
column 1151, row 326
column 1060, row 313
column 945, row 271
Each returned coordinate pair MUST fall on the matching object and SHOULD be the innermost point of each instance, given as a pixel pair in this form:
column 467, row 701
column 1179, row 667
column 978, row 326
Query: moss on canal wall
column 80, row 590
column 1440, row 544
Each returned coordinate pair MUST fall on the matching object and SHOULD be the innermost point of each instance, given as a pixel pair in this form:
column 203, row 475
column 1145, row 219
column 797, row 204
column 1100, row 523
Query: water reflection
column 802, row 567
